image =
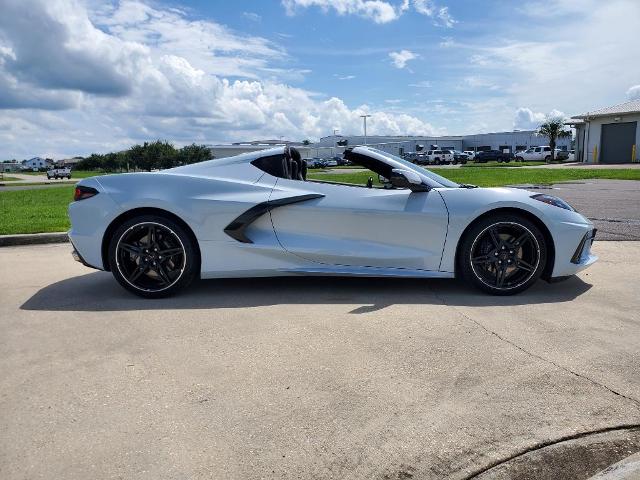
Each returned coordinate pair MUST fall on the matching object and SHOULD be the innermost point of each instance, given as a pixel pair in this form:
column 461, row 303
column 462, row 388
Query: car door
column 362, row 227
column 537, row 154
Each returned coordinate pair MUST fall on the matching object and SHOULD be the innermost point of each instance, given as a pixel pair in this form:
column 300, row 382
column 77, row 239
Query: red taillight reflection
column 81, row 193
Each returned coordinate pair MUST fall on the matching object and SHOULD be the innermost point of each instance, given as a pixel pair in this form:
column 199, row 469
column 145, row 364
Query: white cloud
column 441, row 16
column 444, row 18
column 421, row 84
column 474, row 82
column 527, row 119
column 376, row 10
column 634, row 93
column 401, row 58
column 254, row 17
column 344, row 77
column 562, row 60
column 148, row 73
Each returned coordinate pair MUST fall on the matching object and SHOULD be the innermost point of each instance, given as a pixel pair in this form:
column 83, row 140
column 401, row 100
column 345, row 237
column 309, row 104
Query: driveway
column 307, row 377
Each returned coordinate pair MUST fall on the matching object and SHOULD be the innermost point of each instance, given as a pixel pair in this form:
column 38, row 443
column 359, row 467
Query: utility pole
column 364, row 118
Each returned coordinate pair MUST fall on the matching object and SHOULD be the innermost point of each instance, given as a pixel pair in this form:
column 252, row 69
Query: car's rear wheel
column 152, row 256
column 519, row 159
column 503, row 254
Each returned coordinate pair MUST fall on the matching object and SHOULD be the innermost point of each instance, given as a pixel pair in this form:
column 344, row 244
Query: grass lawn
column 74, row 173
column 472, row 164
column 495, row 177
column 35, row 211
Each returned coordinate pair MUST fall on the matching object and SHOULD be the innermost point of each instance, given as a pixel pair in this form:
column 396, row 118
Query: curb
column 33, row 239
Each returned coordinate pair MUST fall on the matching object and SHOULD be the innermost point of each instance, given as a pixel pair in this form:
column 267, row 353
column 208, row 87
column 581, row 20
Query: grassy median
column 34, row 211
column 45, row 210
column 495, row 177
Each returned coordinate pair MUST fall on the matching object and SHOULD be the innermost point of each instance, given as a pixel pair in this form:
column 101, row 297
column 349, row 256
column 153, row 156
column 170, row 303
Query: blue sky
column 81, row 76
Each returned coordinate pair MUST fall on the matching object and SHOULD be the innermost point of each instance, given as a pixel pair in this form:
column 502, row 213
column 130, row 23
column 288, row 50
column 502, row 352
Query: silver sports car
column 257, row 214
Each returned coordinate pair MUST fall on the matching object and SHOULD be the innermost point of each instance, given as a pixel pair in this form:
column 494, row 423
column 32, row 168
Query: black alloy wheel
column 152, row 256
column 503, row 255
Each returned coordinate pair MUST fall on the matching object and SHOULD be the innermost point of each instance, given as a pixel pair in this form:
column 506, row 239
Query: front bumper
column 575, row 256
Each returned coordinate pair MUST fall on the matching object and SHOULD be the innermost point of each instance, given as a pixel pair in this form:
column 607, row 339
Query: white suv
column 534, row 154
column 439, row 157
column 59, row 173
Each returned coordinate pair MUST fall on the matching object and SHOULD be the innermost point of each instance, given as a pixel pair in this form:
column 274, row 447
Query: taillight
column 82, row 192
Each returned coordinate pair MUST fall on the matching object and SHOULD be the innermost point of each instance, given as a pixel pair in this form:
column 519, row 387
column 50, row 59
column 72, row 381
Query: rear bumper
column 78, row 258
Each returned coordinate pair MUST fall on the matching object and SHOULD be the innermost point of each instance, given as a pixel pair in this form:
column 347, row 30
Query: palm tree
column 553, row 128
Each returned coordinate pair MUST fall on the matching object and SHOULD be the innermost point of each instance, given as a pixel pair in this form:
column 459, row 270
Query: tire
column 519, row 159
column 437, row 161
column 500, row 266
column 141, row 268
column 547, row 158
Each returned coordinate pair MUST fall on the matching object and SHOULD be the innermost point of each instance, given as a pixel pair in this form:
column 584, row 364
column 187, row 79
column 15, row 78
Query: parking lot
column 307, row 377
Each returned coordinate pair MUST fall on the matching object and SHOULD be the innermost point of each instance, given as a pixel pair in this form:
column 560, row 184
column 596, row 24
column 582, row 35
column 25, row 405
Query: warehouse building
column 398, row 145
column 608, row 135
column 333, row 145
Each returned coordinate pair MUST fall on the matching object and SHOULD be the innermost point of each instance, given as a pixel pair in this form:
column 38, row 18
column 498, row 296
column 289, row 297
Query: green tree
column 193, row 154
column 553, row 129
column 306, row 142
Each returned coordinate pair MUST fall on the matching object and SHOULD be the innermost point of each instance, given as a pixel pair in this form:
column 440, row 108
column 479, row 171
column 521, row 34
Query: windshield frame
column 430, row 178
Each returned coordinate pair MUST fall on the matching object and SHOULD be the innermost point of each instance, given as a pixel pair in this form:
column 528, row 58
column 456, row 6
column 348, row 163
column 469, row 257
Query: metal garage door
column 616, row 142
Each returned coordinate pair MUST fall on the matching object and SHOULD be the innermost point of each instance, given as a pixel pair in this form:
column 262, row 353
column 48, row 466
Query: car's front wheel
column 503, row 254
column 152, row 256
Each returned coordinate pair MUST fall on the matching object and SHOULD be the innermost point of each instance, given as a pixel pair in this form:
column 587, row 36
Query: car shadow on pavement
column 98, row 291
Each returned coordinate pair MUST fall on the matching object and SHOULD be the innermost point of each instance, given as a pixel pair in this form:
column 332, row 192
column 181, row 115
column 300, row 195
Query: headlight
column 551, row 200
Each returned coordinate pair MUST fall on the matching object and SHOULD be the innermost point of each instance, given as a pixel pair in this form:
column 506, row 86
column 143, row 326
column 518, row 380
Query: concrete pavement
column 306, row 377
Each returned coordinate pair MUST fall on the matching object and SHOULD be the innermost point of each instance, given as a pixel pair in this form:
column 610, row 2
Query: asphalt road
column 306, row 377
column 612, row 205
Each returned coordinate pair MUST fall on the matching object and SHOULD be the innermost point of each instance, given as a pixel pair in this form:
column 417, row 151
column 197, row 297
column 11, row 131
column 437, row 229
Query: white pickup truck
column 540, row 154
column 57, row 173
column 438, row 157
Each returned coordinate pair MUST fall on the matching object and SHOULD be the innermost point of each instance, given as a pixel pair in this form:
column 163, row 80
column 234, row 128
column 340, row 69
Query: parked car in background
column 493, row 155
column 341, row 161
column 460, row 157
column 470, row 154
column 561, row 154
column 330, row 162
column 57, row 173
column 315, row 162
column 535, row 154
column 572, row 156
column 439, row 157
column 421, row 159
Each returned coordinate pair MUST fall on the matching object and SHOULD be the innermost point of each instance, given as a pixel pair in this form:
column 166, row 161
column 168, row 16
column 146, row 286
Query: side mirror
column 407, row 179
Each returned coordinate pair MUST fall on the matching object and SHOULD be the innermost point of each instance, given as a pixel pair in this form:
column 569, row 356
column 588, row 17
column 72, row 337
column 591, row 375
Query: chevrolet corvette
column 257, row 214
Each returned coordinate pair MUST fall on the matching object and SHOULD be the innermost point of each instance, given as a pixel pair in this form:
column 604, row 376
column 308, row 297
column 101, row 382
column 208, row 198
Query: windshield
column 427, row 173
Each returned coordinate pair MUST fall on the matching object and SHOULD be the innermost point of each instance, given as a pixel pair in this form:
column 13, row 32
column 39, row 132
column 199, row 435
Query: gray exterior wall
column 494, row 141
column 328, row 146
column 593, row 131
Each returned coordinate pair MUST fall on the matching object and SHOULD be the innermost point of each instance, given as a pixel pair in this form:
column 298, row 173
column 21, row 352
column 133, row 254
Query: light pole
column 364, row 118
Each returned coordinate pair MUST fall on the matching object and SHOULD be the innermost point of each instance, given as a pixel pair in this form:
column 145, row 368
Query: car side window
column 547, row 149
